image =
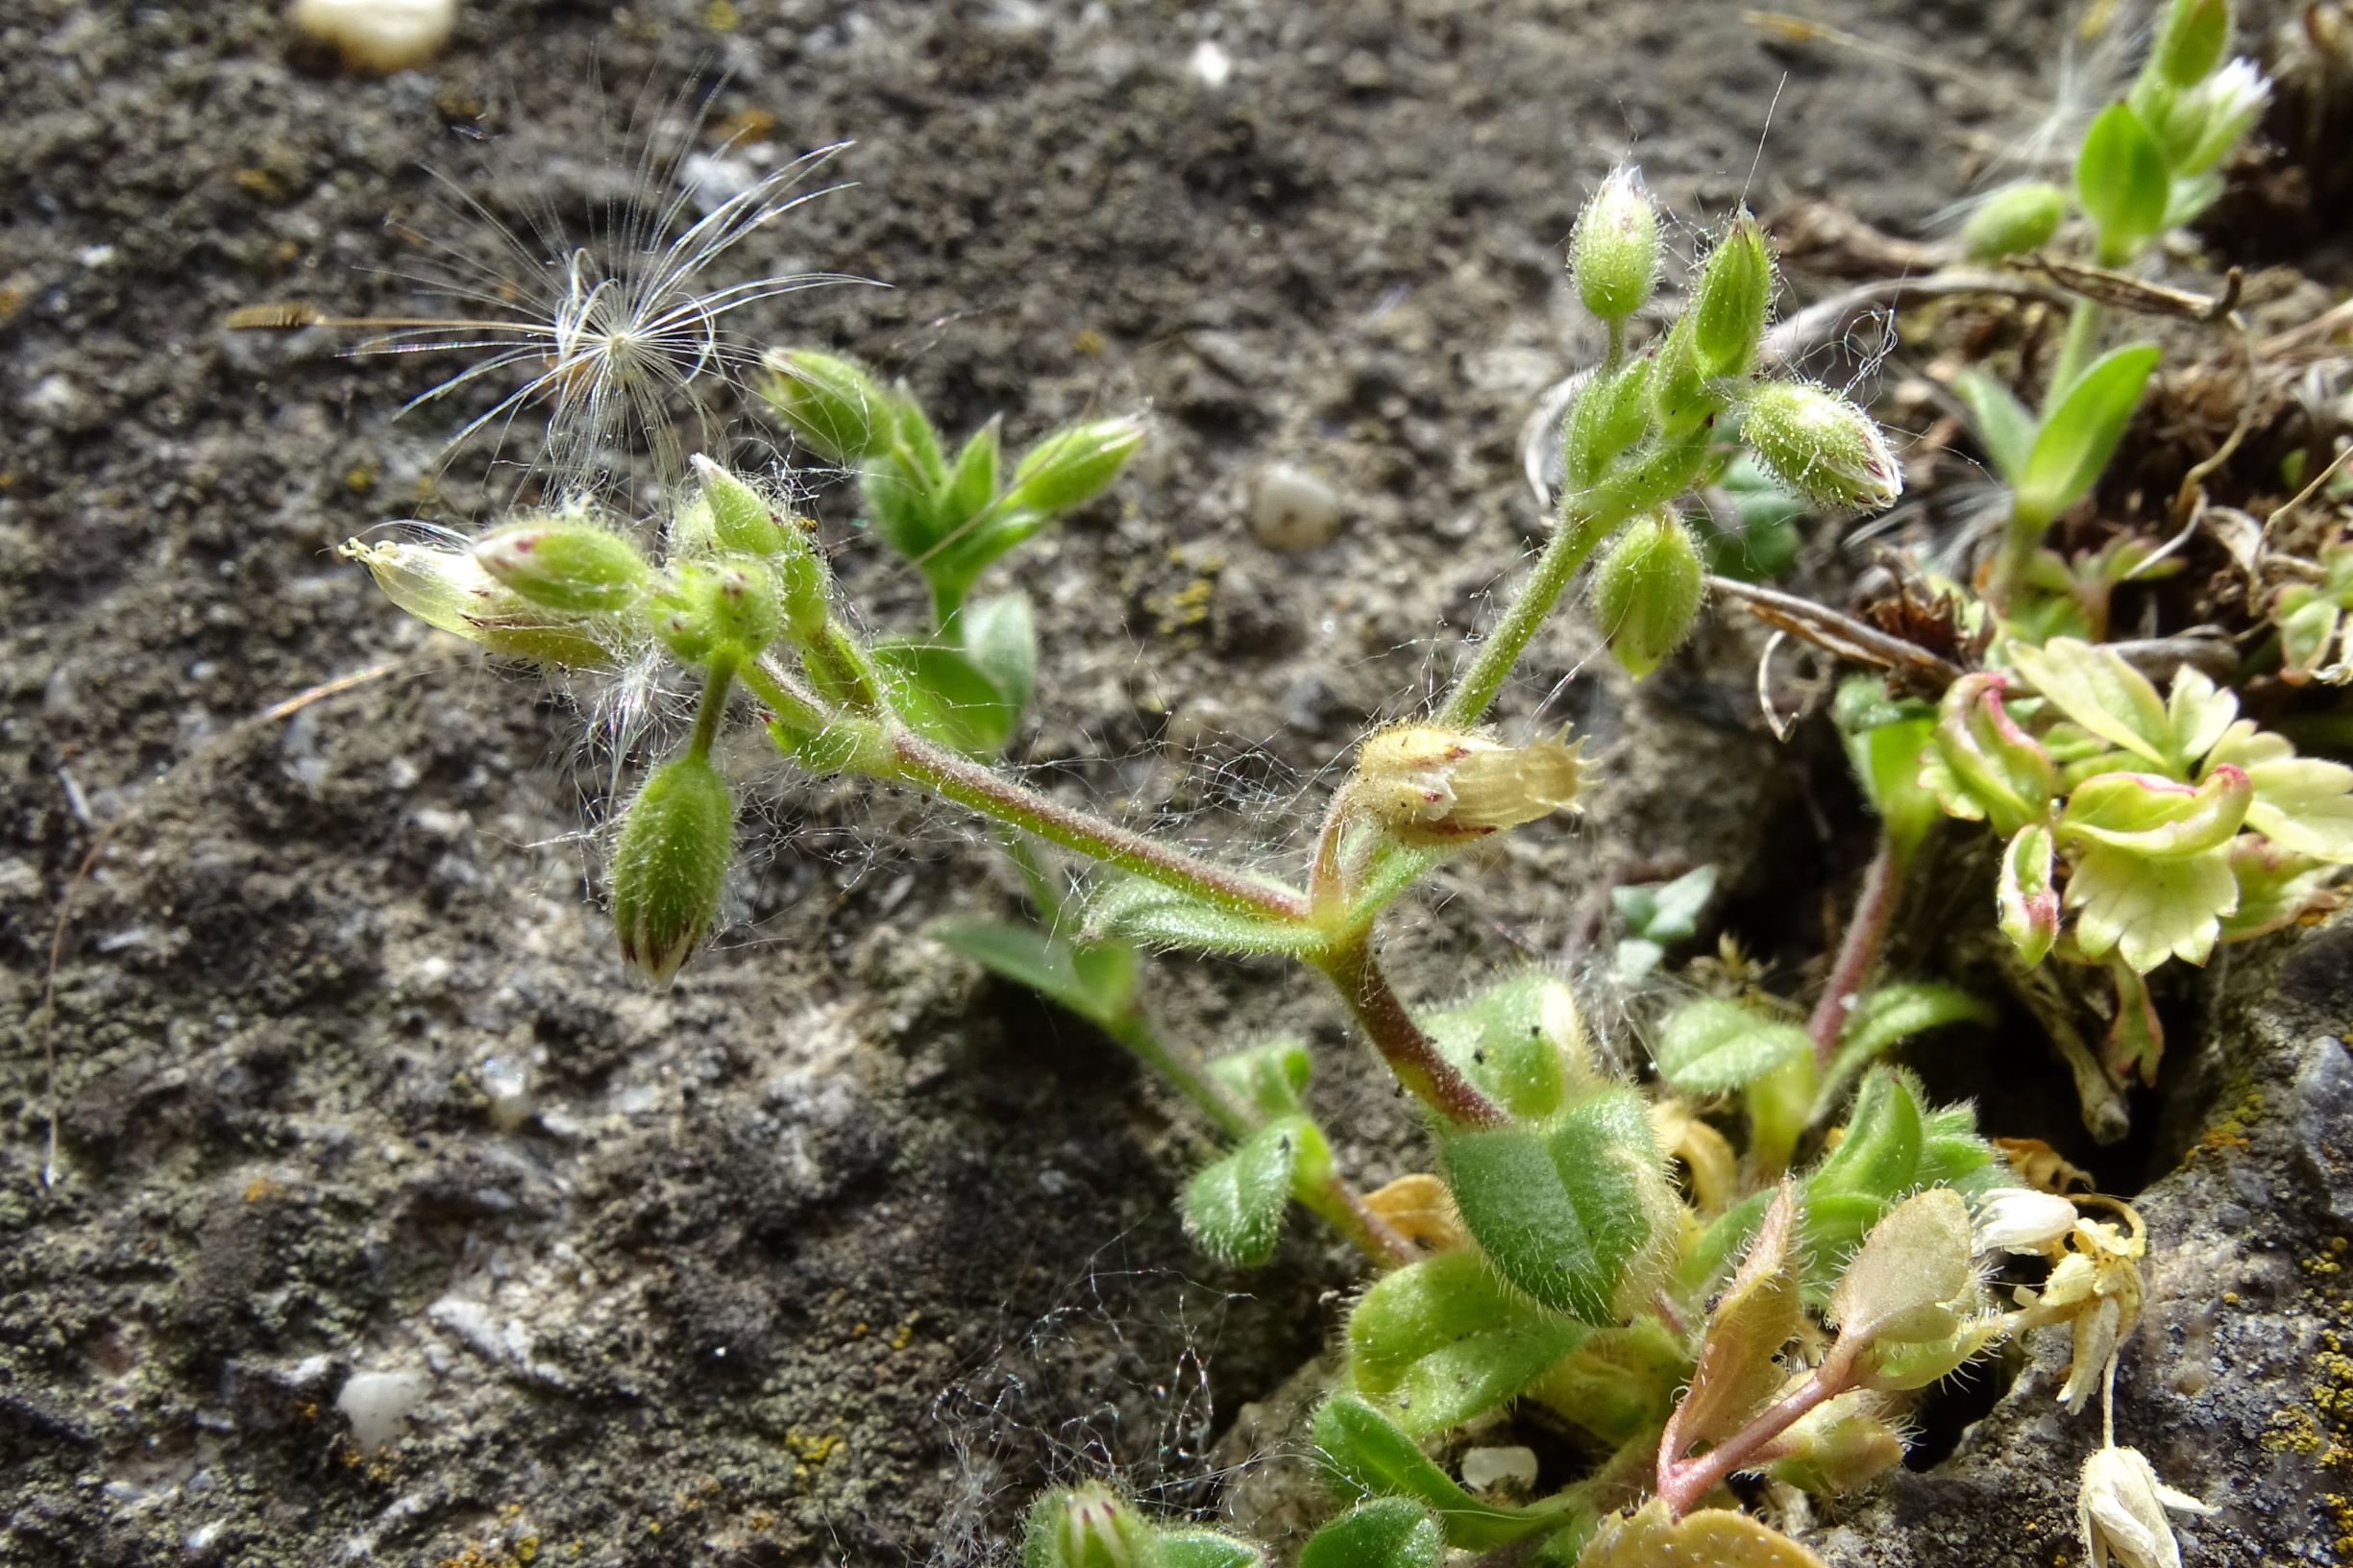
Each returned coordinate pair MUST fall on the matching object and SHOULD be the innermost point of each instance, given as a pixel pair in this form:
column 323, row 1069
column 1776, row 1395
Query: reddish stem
column 1873, row 908
column 1355, row 973
column 1682, row 1483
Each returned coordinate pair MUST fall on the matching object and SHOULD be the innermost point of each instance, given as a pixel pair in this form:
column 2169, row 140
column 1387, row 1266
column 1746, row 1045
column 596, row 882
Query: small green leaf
column 1521, row 1042
column 971, row 485
column 1073, row 465
column 2136, row 1040
column 2302, row 804
column 1571, row 1213
column 1365, row 1455
column 1444, row 1342
column 1896, row 1012
column 2080, row 435
column 2151, row 816
column 1914, row 1266
column 2095, row 687
column 2275, row 886
column 2308, row 630
column 1379, row 1533
column 1049, row 965
column 1712, row 1047
column 1738, row 1370
column 1000, row 637
column 1234, row 1208
column 2025, row 900
column 1879, row 1157
column 904, row 514
column 2005, row 426
column 1155, row 916
column 2151, row 910
column 944, row 697
column 1981, row 765
column 2122, row 181
column 1272, row 1077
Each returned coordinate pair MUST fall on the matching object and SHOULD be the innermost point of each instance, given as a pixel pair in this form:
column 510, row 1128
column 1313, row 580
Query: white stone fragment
column 1485, row 1469
column 1211, row 64
column 378, row 1404
column 379, row 37
column 506, row 1088
column 1293, row 509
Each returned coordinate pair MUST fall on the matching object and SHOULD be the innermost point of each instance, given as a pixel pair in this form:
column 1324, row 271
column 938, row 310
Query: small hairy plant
column 1698, row 1301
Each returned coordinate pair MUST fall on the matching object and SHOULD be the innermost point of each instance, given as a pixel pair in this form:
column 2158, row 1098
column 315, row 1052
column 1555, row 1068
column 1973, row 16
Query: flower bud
column 740, row 518
column 564, row 562
column 448, row 589
column 1821, row 446
column 670, row 864
column 831, row 404
column 1073, row 465
column 1610, row 414
column 2018, row 217
column 1735, row 294
column 1614, row 253
column 1647, row 591
column 1431, row 786
column 2189, row 42
column 1086, row 1527
column 2202, row 125
column 1681, row 399
column 739, row 598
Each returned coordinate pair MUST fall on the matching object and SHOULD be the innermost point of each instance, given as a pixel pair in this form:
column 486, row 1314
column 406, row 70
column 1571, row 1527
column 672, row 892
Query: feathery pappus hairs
column 604, row 321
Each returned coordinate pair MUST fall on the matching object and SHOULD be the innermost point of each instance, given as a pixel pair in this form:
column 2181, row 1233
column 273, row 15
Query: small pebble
column 378, row 1404
column 1293, row 509
column 1485, row 1469
column 378, row 36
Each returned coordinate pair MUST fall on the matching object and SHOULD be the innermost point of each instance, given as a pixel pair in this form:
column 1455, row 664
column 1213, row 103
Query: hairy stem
column 711, row 707
column 941, row 771
column 1574, row 538
column 1874, row 907
column 1356, row 974
column 2076, row 351
column 1682, row 1483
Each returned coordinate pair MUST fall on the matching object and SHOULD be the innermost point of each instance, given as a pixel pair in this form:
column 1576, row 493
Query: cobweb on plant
column 1113, row 1384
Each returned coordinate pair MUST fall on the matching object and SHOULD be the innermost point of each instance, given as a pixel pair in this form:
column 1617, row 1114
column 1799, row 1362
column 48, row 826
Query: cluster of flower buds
column 1090, row 1525
column 2147, row 162
column 1644, row 430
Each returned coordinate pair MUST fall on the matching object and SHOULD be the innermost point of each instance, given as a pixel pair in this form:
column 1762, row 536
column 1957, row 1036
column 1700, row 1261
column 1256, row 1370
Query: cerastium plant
column 1766, row 1312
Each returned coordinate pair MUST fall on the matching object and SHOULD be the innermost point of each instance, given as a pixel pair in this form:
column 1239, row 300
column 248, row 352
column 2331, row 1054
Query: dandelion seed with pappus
column 609, row 326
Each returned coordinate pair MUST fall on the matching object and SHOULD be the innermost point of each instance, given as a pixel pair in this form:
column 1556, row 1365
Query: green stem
column 1573, row 540
column 712, row 707
column 939, row 772
column 2076, row 351
column 1356, row 974
column 1683, row 1483
column 1184, row 1068
column 787, row 698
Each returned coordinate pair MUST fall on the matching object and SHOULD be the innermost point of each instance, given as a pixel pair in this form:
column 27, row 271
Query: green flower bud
column 1735, row 294
column 670, row 863
column 1609, row 415
column 740, row 518
column 2189, row 42
column 564, row 562
column 1086, row 1527
column 1647, row 591
column 739, row 596
column 831, row 404
column 2018, row 217
column 2202, row 125
column 1614, row 253
column 1681, row 400
column 1821, row 446
column 448, row 589
column 1073, row 465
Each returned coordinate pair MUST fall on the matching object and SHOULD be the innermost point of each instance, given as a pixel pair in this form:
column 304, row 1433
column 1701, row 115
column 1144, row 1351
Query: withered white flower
column 2121, row 1508
column 2019, row 1219
column 1431, row 786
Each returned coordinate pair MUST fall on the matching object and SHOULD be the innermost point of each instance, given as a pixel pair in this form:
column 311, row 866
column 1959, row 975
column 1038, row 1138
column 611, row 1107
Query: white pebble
column 1210, row 64
column 1293, row 509
column 379, row 35
column 1483, row 1469
column 507, row 1085
column 378, row 1403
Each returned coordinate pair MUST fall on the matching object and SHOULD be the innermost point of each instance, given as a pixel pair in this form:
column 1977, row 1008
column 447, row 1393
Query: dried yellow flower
column 1431, row 787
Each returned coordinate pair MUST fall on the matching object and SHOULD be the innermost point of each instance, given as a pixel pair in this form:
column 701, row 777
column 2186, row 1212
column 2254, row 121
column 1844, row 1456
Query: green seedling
column 2146, row 166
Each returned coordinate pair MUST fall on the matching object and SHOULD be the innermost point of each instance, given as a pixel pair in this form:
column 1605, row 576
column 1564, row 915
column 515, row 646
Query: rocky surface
column 832, row 1252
